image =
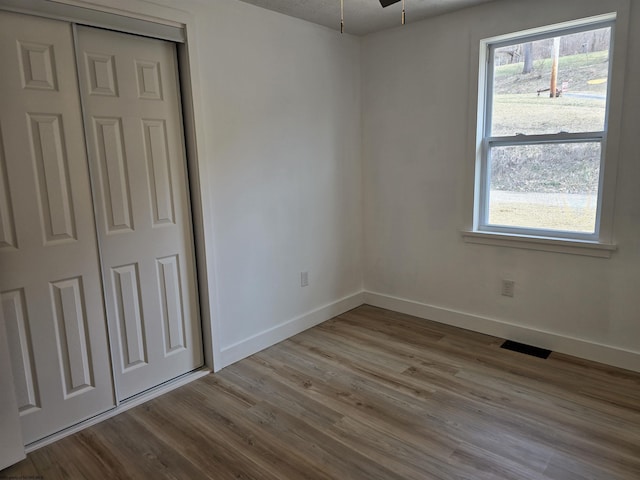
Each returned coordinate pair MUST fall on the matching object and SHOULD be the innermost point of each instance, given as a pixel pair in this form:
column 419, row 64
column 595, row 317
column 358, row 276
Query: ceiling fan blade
column 386, row 3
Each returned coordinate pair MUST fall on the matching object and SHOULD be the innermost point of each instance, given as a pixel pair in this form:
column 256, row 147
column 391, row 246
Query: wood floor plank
column 388, row 423
column 249, row 453
column 323, row 447
column 371, row 394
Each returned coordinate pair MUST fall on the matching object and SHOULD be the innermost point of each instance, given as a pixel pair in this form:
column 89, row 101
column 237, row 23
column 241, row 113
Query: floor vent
column 526, row 349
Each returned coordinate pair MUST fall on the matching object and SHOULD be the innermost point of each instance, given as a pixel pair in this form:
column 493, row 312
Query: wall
column 277, row 113
column 418, row 85
column 283, row 139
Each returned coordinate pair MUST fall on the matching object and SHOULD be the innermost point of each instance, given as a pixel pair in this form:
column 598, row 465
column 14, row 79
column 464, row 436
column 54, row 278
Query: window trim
column 546, row 244
column 610, row 148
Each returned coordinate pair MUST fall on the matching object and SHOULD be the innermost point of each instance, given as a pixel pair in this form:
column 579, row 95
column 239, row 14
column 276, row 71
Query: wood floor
column 370, row 395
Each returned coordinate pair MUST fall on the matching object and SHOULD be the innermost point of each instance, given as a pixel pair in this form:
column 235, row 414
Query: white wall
column 283, row 140
column 418, row 173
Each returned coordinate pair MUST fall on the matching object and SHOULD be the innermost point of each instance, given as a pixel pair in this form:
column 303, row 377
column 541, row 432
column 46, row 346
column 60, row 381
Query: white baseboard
column 124, row 406
column 586, row 349
column 273, row 335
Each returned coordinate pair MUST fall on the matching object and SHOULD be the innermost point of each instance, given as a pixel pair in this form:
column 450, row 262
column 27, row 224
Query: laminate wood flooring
column 371, row 395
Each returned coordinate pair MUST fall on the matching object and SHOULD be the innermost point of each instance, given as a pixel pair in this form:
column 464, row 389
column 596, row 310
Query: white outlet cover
column 508, row 288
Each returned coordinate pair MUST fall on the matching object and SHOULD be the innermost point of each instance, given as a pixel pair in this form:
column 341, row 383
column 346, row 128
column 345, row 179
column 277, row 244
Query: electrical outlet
column 508, row 288
column 304, row 279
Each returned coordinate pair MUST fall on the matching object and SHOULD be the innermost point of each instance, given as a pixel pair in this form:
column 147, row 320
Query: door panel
column 50, row 283
column 14, row 308
column 7, row 223
column 133, row 121
column 52, row 172
column 114, row 181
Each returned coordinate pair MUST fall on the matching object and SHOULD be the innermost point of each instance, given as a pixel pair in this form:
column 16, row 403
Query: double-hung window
column 542, row 147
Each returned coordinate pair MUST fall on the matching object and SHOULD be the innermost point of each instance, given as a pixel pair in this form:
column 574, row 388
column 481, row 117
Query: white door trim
column 95, row 18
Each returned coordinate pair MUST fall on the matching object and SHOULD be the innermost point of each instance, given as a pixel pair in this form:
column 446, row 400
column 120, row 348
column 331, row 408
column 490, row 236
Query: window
column 542, row 144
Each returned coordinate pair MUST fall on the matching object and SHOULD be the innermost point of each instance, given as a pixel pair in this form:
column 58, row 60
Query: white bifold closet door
column 133, row 124
column 49, row 265
column 96, row 254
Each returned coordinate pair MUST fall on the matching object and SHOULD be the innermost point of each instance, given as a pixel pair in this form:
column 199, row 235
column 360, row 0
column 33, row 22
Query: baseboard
column 271, row 336
column 124, row 406
column 576, row 347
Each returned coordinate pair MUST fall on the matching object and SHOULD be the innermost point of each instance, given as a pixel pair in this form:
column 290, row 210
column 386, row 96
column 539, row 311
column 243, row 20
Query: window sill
column 546, row 244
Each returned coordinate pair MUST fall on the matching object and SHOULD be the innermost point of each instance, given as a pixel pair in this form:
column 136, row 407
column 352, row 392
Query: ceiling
column 362, row 16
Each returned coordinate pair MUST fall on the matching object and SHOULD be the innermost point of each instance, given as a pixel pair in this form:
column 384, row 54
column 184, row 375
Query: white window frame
column 598, row 244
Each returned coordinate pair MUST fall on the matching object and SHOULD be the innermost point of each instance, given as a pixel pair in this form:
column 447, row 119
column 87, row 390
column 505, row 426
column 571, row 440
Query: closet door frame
column 155, row 21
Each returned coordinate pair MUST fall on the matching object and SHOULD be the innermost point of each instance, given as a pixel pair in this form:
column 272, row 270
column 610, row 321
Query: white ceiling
column 362, row 16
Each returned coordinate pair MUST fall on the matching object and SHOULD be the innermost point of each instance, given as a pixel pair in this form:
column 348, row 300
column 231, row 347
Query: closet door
column 50, row 286
column 133, row 122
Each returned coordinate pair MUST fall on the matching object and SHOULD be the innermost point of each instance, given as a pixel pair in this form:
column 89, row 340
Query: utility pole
column 554, row 68
column 528, row 58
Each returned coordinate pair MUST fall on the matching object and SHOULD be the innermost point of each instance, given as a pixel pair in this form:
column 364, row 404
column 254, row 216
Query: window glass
column 545, row 186
column 523, row 102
